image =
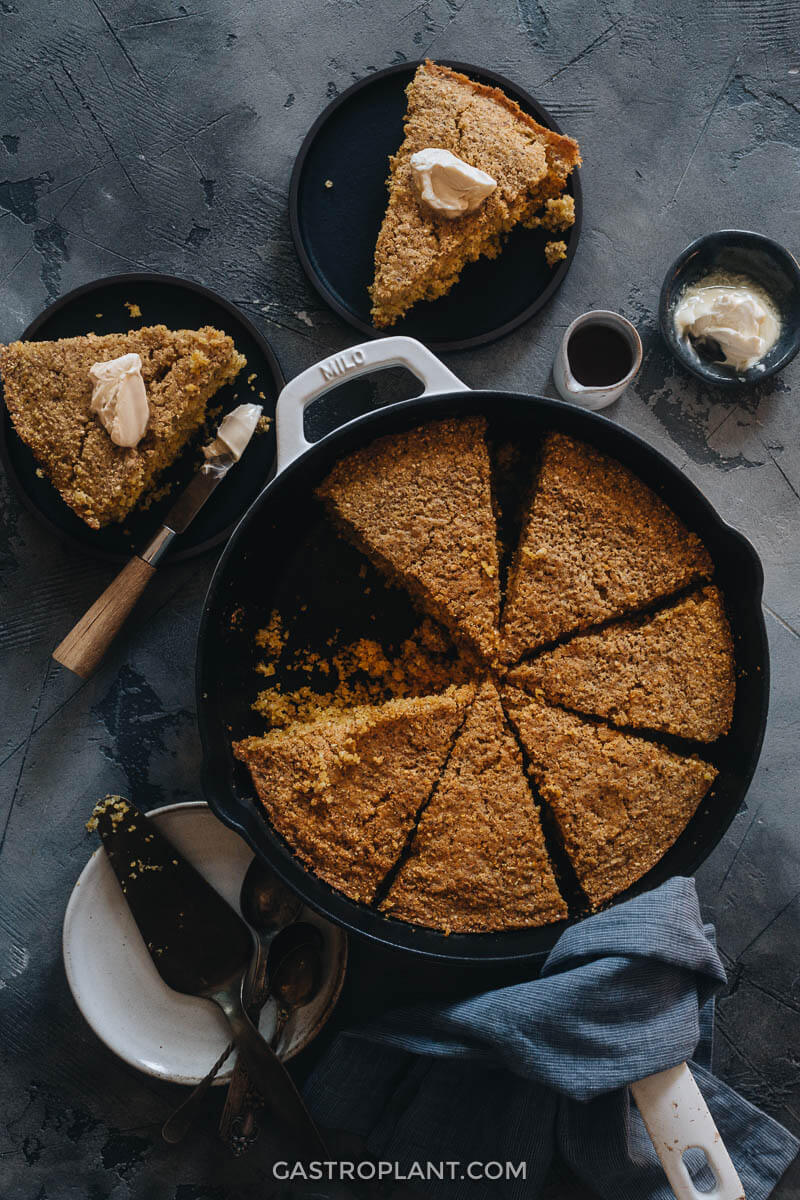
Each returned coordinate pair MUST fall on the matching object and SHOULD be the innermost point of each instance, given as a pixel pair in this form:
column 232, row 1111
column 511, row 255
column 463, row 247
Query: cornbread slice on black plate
column 478, row 859
column 620, row 801
column 419, row 255
column 419, row 504
column 671, row 672
column 344, row 790
column 597, row 543
column 48, row 392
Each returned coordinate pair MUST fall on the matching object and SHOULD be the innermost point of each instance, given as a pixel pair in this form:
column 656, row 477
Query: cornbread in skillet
column 672, row 672
column 419, row 255
column 597, row 543
column 478, row 859
column 419, row 504
column 344, row 790
column 48, row 392
column 620, row 801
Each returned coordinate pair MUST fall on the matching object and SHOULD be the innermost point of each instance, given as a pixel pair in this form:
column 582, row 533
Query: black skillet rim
column 529, row 104
column 490, row 949
column 29, row 334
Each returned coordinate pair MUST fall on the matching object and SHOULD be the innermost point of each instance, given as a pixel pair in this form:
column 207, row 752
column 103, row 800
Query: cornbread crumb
column 133, row 309
column 478, row 859
column 115, row 807
column 554, row 252
column 558, row 214
column 272, row 637
column 328, row 183
column 264, row 422
column 362, row 672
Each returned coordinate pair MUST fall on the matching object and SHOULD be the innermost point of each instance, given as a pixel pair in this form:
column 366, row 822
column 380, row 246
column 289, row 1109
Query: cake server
column 85, row 646
column 200, row 947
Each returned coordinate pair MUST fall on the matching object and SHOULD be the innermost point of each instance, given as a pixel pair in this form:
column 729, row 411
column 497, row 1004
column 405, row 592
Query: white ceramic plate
column 119, row 991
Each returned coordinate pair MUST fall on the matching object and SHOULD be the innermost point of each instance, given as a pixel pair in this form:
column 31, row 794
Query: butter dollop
column 235, row 431
column 120, row 399
column 732, row 311
column 446, row 184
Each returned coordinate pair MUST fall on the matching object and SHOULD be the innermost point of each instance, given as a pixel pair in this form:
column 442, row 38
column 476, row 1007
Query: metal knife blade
column 195, row 494
column 194, row 937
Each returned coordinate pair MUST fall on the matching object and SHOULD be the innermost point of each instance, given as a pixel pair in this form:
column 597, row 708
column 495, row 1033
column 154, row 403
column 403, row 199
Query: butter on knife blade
column 235, row 431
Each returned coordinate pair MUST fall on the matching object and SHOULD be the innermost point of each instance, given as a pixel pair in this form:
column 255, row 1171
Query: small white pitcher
column 596, row 397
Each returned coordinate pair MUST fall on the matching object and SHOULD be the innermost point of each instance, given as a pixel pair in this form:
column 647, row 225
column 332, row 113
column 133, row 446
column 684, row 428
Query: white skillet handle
column 358, row 360
column 677, row 1117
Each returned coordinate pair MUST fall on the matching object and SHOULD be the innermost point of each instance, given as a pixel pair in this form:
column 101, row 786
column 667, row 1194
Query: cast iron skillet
column 285, row 554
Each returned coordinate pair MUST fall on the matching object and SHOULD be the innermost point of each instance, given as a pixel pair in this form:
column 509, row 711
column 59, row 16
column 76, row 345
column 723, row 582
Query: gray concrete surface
column 157, row 135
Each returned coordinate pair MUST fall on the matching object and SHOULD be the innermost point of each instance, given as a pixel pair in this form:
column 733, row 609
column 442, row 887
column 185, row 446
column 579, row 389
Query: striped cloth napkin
column 528, row 1072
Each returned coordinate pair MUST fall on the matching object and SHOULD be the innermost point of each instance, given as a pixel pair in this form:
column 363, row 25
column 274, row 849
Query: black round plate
column 180, row 304
column 335, row 228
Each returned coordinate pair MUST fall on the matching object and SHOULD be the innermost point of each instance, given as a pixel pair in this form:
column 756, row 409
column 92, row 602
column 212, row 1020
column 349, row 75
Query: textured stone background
column 156, row 135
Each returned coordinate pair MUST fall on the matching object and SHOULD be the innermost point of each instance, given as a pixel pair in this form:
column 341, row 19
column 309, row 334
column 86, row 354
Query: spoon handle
column 281, row 1097
column 237, row 1125
column 177, row 1125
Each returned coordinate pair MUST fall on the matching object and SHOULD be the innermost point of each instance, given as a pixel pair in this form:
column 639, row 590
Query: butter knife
column 200, row 947
column 85, row 646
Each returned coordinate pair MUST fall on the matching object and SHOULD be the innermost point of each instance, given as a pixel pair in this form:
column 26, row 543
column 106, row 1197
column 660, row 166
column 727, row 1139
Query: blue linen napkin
column 525, row 1072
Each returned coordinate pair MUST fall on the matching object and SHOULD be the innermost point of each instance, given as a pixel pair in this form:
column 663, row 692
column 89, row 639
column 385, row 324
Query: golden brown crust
column 671, row 672
column 48, row 391
column 344, row 790
column 620, row 801
column 565, row 148
column 478, row 861
column 597, row 543
column 419, row 504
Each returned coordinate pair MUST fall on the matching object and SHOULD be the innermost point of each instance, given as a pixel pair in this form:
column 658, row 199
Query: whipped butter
column 447, row 185
column 732, row 311
column 120, row 399
column 235, row 431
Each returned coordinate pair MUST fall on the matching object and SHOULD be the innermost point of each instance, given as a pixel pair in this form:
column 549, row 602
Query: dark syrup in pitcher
column 599, row 355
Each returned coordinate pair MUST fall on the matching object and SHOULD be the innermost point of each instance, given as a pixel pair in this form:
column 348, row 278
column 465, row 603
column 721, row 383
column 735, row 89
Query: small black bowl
column 737, row 252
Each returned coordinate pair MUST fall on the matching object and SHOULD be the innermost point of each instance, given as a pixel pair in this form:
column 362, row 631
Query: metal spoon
column 295, row 975
column 267, row 907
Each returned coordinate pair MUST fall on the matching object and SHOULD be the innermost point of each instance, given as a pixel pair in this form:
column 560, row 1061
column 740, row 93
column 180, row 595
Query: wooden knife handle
column 84, row 647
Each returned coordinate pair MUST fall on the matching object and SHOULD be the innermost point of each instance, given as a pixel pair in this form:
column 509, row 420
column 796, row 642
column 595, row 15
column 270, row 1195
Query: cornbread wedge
column 419, row 255
column 344, row 790
column 478, row 859
column 597, row 543
column 672, row 672
column 620, row 801
column 419, row 504
column 48, row 392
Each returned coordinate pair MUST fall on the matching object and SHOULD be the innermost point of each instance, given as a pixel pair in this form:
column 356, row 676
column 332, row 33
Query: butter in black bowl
column 746, row 269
